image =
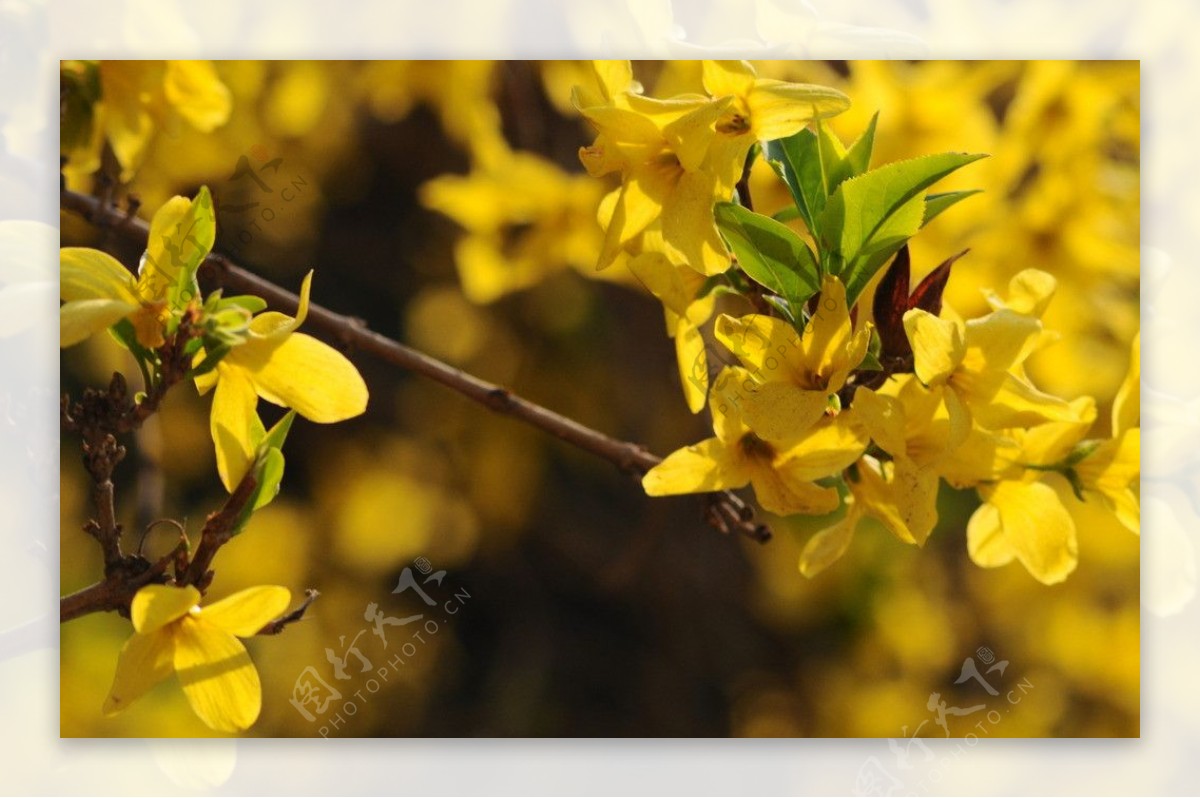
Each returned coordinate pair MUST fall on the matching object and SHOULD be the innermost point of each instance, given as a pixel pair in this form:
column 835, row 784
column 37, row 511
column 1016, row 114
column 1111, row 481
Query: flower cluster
column 821, row 407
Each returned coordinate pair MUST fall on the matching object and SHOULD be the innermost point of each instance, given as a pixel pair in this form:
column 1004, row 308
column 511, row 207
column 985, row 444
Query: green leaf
column 769, row 253
column 858, row 157
column 783, row 307
column 277, row 435
column 834, row 166
column 212, row 357
column 250, row 304
column 796, row 160
column 787, row 214
column 268, row 474
column 870, row 217
column 936, row 203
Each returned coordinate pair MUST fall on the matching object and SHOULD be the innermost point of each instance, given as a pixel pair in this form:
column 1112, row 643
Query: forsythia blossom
column 200, row 645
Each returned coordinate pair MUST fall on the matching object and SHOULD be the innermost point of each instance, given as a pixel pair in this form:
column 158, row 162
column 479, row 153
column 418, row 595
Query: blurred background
column 443, row 203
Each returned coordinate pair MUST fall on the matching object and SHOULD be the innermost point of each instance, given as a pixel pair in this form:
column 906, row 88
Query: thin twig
column 353, row 333
column 276, row 626
column 217, row 531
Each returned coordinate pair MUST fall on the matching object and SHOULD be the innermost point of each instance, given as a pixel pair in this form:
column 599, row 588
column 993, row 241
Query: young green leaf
column 858, row 157
column 796, row 160
column 832, row 152
column 870, row 217
column 277, row 435
column 769, row 253
column 936, row 203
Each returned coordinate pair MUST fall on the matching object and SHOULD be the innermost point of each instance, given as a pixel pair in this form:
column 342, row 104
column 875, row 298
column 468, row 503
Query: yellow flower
column 200, row 645
column 135, row 99
column 795, row 375
column 1025, row 521
column 660, row 148
column 525, row 219
column 762, row 110
column 783, row 478
column 1023, row 518
column 975, row 364
column 98, row 291
column 284, row 367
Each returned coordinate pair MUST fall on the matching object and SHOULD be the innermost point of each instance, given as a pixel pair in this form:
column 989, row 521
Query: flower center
column 756, row 448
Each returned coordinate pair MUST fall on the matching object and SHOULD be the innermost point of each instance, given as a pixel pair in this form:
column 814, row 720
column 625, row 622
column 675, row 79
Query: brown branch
column 276, row 626
column 217, row 531
column 629, row 457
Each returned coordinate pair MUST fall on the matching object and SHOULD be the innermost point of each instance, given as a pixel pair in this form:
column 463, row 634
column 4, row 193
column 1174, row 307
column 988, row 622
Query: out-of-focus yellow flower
column 525, row 220
column 200, row 645
column 284, row 367
column 459, row 92
column 762, row 110
column 795, row 375
column 136, row 98
column 783, row 478
column 98, row 291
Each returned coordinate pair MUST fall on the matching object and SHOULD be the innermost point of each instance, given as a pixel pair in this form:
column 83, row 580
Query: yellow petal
column 986, row 543
column 781, row 412
column 661, row 278
column 826, row 449
column 1047, row 444
column 1114, row 465
column 785, row 489
column 826, row 343
column 883, row 416
column 779, row 110
column 1016, row 403
column 639, row 203
column 155, row 606
column 937, row 344
column 727, row 78
column 80, row 320
column 690, row 135
column 689, row 231
column 901, row 495
column 91, row 274
column 247, row 611
column 197, row 94
column 692, row 359
column 1029, row 293
column 145, row 660
column 996, row 342
column 1127, row 407
column 828, row 545
column 728, row 397
column 313, row 378
column 1038, row 528
column 160, row 263
column 217, row 676
column 704, row 467
column 984, row 456
column 234, row 424
column 769, row 348
column 274, row 326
